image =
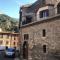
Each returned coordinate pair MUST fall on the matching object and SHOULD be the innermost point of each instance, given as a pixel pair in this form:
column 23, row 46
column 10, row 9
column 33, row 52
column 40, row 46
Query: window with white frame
column 44, row 13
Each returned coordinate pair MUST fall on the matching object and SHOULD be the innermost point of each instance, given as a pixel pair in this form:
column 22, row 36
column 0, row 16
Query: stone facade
column 36, row 40
column 33, row 10
column 40, row 38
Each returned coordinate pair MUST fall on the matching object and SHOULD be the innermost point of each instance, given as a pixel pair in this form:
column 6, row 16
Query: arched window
column 58, row 8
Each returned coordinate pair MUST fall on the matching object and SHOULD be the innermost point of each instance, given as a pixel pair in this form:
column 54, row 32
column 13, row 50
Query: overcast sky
column 11, row 7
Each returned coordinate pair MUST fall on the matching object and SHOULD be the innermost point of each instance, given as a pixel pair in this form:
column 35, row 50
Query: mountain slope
column 7, row 23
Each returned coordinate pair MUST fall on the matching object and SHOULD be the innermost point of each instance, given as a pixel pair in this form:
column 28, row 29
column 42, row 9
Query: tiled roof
column 9, row 33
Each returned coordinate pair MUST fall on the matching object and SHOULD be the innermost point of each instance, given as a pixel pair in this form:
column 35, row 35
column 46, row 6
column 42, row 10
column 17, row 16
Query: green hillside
column 8, row 24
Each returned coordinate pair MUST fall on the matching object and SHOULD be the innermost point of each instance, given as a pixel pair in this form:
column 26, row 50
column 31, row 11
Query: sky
column 11, row 7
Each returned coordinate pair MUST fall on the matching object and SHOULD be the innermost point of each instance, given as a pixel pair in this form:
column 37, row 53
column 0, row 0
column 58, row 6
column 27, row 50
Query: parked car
column 10, row 52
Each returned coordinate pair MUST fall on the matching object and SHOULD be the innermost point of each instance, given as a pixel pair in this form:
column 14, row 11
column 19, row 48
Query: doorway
column 25, row 50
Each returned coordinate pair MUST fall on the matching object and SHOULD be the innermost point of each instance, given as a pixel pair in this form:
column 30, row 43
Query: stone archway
column 58, row 8
column 25, row 50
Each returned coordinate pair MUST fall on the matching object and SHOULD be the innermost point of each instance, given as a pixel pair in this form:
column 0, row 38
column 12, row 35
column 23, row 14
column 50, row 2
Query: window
column 23, row 22
column 14, row 38
column 43, row 1
column 44, row 13
column 1, row 35
column 26, row 36
column 7, row 36
column 1, row 42
column 44, row 33
column 27, row 20
column 7, row 42
column 44, row 48
column 14, row 43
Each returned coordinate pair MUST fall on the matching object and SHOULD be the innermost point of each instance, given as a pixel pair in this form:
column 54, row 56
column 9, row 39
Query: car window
column 10, row 50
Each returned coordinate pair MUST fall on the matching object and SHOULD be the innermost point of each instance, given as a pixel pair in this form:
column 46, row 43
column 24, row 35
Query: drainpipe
column 10, row 39
column 20, row 32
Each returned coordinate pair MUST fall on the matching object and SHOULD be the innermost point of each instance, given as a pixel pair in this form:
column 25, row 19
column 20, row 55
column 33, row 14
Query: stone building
column 40, row 30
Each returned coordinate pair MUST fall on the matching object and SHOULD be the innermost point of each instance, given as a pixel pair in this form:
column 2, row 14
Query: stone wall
column 36, row 40
column 52, row 1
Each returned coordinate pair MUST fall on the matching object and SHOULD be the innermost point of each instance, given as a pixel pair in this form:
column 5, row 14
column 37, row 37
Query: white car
column 10, row 52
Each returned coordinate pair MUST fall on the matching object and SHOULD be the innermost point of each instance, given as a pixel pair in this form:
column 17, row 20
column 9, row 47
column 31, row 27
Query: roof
column 35, row 6
column 9, row 33
column 27, row 5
